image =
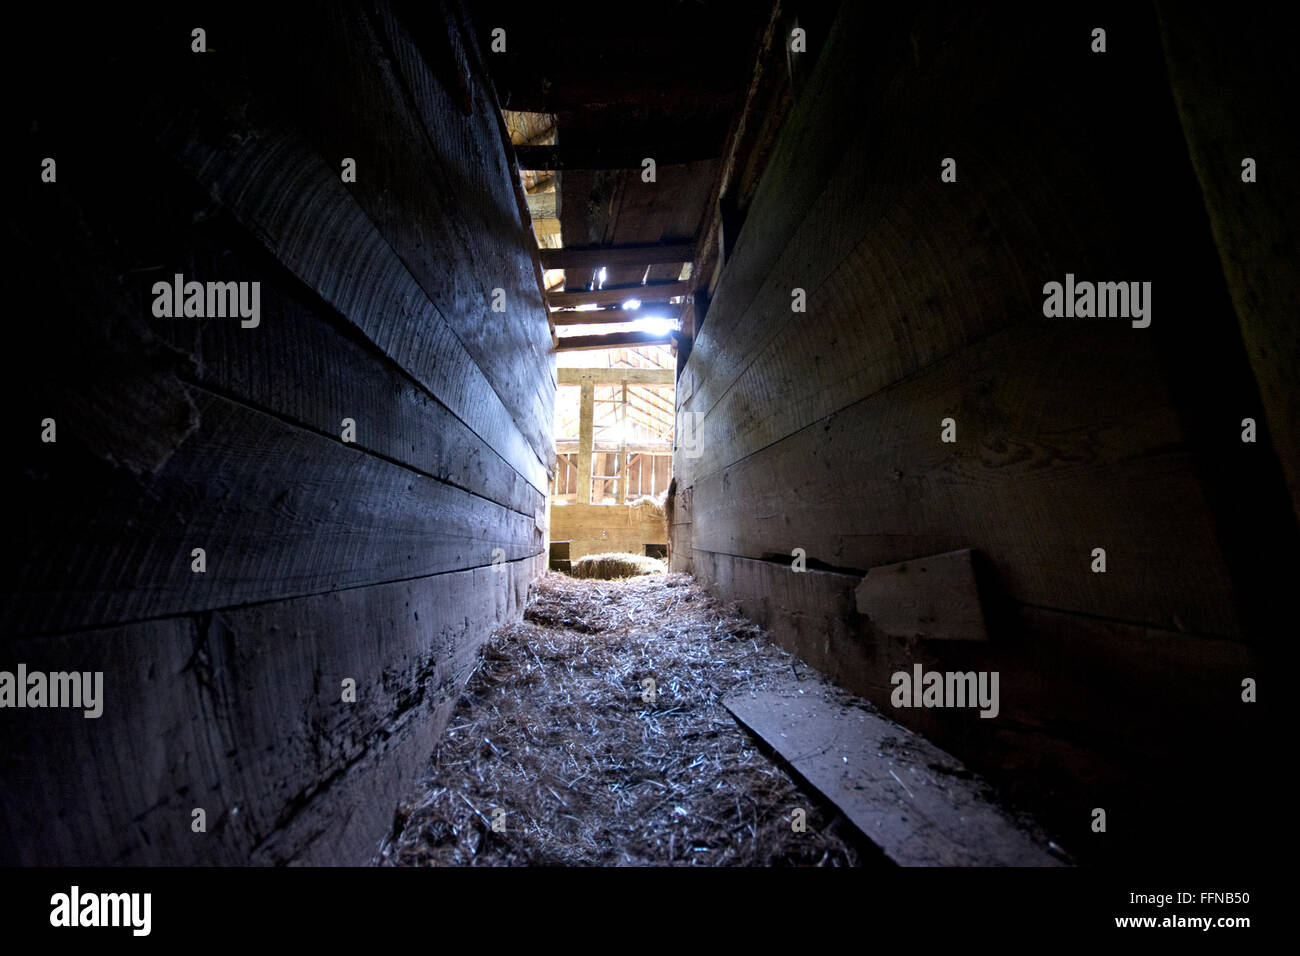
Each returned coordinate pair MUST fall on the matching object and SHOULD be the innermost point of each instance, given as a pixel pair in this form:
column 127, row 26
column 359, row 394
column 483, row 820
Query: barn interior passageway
column 941, row 358
column 594, row 733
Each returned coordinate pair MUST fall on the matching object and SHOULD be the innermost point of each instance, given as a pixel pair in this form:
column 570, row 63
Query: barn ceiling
column 608, row 92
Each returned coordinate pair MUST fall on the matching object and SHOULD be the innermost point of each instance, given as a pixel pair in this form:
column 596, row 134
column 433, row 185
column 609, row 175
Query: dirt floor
column 561, row 751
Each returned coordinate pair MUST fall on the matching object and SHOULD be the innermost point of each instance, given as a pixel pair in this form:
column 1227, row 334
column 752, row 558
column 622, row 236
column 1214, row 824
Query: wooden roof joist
column 616, row 376
column 571, row 447
column 614, row 295
column 634, row 254
column 614, row 157
column 659, row 310
column 614, row 340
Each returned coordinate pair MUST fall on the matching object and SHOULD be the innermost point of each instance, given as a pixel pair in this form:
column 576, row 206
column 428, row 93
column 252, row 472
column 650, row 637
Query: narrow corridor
column 593, row 766
column 594, row 732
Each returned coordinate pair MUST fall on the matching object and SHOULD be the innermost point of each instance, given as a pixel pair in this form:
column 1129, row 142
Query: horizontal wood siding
column 817, row 434
column 386, row 555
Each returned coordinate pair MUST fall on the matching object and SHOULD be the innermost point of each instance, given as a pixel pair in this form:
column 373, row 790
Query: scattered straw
column 553, row 729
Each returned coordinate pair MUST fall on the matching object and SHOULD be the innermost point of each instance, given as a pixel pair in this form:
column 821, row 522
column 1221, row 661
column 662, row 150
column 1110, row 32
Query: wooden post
column 586, row 428
column 622, row 470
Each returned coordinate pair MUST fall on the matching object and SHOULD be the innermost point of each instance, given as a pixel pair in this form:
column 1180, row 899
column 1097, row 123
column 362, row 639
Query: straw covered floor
column 560, row 728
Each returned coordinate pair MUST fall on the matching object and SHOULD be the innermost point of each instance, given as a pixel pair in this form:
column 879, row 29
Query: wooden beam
column 657, row 306
column 651, row 406
column 616, row 376
column 614, row 340
column 617, row 294
column 544, row 206
column 664, row 310
column 635, row 254
column 570, row 447
column 586, row 430
column 622, row 448
column 614, row 157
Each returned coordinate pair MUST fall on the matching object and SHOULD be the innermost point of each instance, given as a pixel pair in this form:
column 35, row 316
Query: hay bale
column 651, row 503
column 613, row 565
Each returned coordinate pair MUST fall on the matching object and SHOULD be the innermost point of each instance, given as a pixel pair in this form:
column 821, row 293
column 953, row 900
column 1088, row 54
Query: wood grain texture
column 612, row 314
column 280, row 511
column 899, row 268
column 809, row 613
column 820, row 429
column 934, row 597
column 1036, row 479
column 305, row 371
column 239, row 712
column 901, row 791
column 809, row 151
column 1213, row 58
column 618, row 294
column 375, row 559
column 594, row 529
column 610, row 340
column 616, row 376
column 458, row 205
column 628, row 254
column 1080, row 700
column 279, row 185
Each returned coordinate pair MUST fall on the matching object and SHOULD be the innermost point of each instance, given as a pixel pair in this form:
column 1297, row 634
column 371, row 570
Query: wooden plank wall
column 386, row 559
column 595, row 529
column 821, row 430
column 1212, row 58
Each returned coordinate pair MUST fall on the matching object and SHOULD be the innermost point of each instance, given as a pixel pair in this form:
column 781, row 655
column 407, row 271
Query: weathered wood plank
column 240, row 713
column 627, row 254
column 879, row 308
column 586, row 431
column 451, row 167
column 1036, row 480
column 906, row 795
column 616, row 316
column 611, row 340
column 810, row 613
column 616, row 376
column 657, row 448
column 810, row 149
column 618, row 294
column 935, row 597
column 317, row 383
column 672, row 205
column 280, row 512
column 592, row 529
column 1076, row 695
column 1211, row 56
column 296, row 364
column 275, row 186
